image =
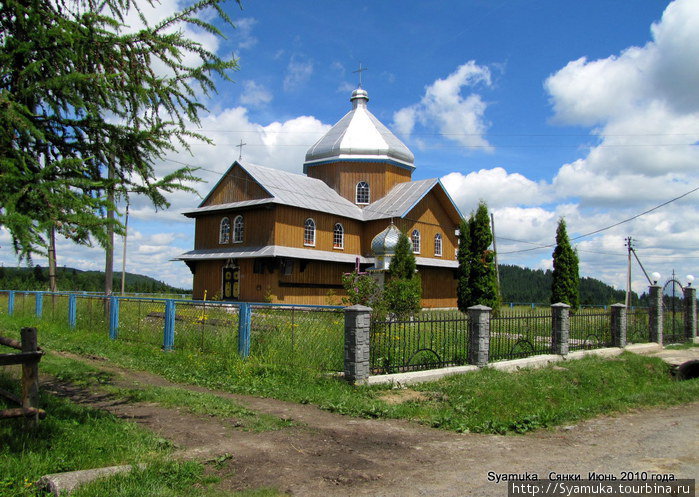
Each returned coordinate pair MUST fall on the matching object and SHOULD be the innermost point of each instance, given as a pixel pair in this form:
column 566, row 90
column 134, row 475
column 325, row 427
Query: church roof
column 298, row 190
column 296, row 253
column 287, row 188
column 359, row 136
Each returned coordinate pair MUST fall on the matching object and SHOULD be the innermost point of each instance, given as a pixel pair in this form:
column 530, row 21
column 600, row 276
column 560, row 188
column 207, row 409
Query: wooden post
column 30, row 372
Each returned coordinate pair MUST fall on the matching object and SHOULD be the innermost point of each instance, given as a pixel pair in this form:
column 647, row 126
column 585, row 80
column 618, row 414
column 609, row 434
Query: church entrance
column 231, row 283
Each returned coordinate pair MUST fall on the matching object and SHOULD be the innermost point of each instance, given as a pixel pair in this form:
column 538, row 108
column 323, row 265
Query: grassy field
column 487, row 401
column 635, row 381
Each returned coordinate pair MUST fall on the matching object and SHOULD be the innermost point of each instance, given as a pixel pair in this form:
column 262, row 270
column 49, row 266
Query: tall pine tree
column 463, row 255
column 83, row 94
column 482, row 279
column 565, row 286
column 403, row 290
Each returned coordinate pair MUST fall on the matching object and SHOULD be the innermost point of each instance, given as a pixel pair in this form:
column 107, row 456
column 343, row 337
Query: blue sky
column 583, row 110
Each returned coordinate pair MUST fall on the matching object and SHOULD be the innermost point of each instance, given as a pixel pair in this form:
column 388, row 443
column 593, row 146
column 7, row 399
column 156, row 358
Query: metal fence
column 520, row 332
column 427, row 341
column 673, row 325
column 638, row 325
column 308, row 336
column 590, row 329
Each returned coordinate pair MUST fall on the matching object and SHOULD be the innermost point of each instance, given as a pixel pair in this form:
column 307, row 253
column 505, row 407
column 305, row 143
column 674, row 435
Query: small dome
column 385, row 242
column 359, row 135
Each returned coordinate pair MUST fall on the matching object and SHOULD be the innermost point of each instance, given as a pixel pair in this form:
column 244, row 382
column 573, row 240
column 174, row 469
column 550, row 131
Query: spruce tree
column 403, row 262
column 86, row 114
column 403, row 290
column 483, row 284
column 565, row 286
column 463, row 255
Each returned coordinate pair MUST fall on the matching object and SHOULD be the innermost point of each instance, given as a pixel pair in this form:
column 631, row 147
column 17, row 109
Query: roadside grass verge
column 71, row 437
column 487, row 401
column 83, row 375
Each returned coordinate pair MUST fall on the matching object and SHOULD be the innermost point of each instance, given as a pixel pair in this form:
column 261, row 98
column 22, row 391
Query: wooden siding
column 312, row 286
column 438, row 287
column 289, row 230
column 344, row 176
column 430, row 217
column 258, row 228
column 236, row 186
column 207, row 276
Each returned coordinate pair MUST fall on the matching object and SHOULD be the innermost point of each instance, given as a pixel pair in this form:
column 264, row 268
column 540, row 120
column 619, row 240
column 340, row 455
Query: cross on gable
column 240, row 154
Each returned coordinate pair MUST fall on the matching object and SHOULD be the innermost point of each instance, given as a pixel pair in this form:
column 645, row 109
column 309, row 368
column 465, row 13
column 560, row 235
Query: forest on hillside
column 524, row 285
column 517, row 284
column 37, row 278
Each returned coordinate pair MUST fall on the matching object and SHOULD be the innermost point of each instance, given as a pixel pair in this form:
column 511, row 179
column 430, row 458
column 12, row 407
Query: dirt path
column 326, row 454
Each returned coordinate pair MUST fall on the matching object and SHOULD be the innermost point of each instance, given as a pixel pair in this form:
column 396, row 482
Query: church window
column 309, row 232
column 362, row 192
column 415, row 238
column 438, row 245
column 339, row 236
column 238, row 229
column 225, row 231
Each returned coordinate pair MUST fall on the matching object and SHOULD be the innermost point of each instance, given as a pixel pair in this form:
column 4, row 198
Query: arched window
column 338, row 236
column 309, row 232
column 238, row 229
column 415, row 238
column 224, row 235
column 438, row 245
column 362, row 192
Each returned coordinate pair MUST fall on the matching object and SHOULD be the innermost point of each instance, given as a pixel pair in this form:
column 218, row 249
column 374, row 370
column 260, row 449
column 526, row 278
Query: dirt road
column 325, row 454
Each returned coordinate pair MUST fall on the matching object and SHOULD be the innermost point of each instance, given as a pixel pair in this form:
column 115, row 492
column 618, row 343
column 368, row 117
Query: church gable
column 236, row 185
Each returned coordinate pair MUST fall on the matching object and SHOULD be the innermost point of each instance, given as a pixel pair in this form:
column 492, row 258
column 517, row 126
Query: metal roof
column 295, row 253
column 360, row 135
column 298, row 190
column 399, row 200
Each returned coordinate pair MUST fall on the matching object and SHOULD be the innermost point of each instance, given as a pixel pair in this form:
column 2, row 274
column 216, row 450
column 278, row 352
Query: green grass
column 487, row 401
column 82, row 374
column 70, row 438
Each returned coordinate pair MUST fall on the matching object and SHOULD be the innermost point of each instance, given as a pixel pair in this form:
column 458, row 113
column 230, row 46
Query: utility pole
column 123, row 254
column 629, row 246
column 495, row 249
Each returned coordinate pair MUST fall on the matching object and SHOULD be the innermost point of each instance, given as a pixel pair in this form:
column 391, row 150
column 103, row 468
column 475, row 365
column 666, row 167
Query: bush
column 403, row 296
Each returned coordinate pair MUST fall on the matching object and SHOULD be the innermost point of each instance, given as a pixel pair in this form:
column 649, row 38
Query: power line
column 606, row 227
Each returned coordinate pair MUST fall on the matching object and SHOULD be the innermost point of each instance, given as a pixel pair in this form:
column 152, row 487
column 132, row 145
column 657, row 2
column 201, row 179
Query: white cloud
column 254, row 94
column 645, row 107
column 495, row 186
column 243, row 33
column 459, row 118
column 645, row 104
column 298, row 72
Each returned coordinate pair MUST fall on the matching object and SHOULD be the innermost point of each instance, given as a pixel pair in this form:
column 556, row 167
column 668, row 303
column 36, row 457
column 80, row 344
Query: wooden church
column 268, row 235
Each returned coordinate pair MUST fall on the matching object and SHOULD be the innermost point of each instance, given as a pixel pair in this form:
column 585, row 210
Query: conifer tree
column 403, row 262
column 403, row 290
column 463, row 255
column 81, row 96
column 483, row 284
column 565, row 286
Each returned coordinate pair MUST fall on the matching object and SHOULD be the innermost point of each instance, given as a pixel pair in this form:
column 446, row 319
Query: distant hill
column 519, row 284
column 37, row 278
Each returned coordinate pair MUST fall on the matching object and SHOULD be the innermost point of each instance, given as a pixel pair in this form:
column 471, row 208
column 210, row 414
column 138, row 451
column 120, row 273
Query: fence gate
column 673, row 312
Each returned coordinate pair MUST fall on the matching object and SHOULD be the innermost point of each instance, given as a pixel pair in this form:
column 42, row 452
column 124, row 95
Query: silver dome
column 359, row 135
column 385, row 242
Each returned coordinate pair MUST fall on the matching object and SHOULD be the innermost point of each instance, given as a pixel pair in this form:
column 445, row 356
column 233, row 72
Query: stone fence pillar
column 619, row 325
column 478, row 334
column 690, row 312
column 357, row 327
column 655, row 319
column 560, row 328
